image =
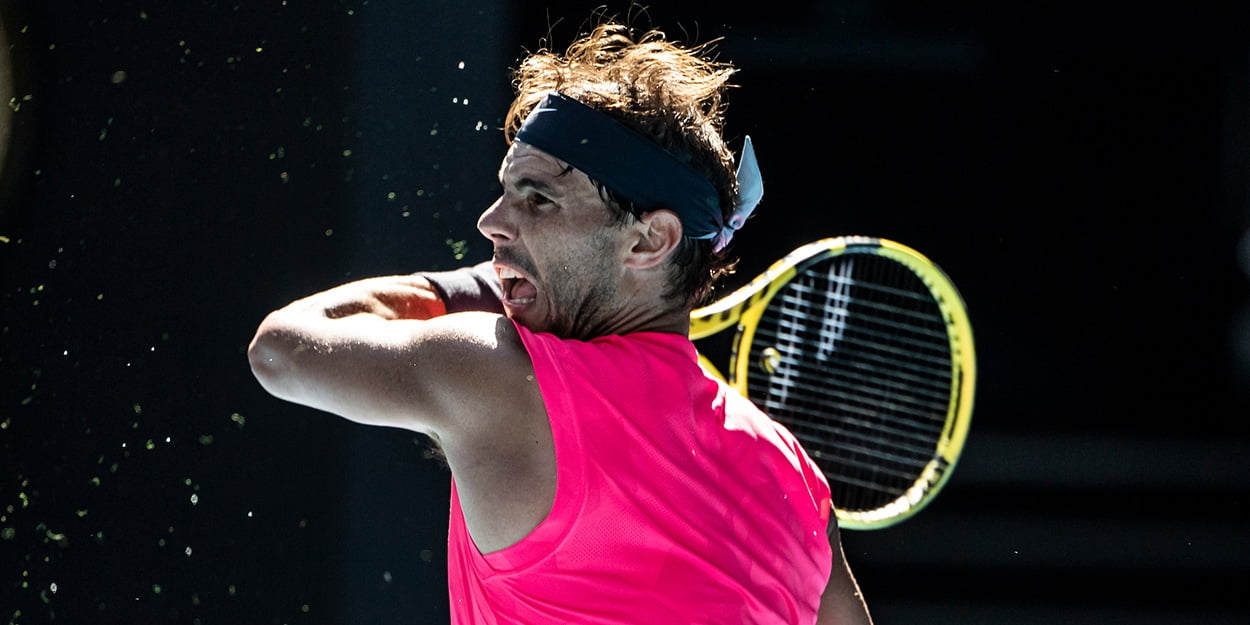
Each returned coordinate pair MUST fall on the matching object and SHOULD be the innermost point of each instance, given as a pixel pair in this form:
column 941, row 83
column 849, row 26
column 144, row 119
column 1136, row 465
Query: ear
column 657, row 235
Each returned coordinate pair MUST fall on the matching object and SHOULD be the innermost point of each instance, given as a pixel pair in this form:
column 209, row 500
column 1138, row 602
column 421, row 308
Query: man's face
column 557, row 250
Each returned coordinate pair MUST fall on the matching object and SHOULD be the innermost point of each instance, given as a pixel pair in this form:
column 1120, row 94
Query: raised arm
column 380, row 351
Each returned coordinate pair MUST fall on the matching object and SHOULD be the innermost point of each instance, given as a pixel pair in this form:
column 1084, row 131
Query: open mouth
column 517, row 290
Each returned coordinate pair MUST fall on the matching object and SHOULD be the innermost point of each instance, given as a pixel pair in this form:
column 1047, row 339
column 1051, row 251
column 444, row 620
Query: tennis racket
column 863, row 349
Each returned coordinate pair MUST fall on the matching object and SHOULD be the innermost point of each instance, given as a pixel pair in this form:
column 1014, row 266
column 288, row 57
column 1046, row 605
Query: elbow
column 269, row 359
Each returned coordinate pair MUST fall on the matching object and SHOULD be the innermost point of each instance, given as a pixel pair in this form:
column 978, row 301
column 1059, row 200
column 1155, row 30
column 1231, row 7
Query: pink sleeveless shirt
column 677, row 501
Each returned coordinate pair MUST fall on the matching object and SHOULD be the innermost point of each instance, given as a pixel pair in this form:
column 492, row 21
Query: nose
column 494, row 224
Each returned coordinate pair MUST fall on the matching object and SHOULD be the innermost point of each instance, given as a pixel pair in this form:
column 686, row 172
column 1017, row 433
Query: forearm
column 387, row 297
column 421, row 295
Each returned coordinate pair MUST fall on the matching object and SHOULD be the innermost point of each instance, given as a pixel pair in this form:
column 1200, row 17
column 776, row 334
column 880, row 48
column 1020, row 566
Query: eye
column 539, row 201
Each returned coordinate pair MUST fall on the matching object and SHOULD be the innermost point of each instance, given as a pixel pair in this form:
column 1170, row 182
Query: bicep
column 402, row 373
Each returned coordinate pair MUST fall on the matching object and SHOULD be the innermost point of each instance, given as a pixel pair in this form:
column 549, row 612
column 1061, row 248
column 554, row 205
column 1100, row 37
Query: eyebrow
column 527, row 182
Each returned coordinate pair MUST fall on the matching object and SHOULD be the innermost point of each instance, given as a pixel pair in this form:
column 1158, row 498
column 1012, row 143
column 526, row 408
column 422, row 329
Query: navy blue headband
column 630, row 164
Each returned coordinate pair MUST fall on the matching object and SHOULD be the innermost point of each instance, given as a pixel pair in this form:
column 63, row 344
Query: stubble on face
column 583, row 301
column 571, row 253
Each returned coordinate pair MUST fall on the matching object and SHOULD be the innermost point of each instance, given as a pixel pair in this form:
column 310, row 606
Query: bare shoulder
column 487, row 387
column 498, row 440
column 460, row 371
column 475, row 356
column 473, row 334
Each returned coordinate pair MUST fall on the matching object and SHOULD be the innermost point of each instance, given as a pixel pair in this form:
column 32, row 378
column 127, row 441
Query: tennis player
column 599, row 476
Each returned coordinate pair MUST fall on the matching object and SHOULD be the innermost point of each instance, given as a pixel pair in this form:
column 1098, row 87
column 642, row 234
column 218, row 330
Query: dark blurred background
column 173, row 170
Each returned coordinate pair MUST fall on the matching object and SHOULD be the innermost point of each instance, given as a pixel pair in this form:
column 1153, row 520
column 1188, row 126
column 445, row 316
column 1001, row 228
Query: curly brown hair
column 669, row 93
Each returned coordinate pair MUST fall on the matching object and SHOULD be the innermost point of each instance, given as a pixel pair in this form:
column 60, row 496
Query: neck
column 673, row 321
column 635, row 305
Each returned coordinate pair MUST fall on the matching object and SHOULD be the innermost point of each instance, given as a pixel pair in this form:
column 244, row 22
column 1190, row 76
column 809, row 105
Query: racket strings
column 853, row 355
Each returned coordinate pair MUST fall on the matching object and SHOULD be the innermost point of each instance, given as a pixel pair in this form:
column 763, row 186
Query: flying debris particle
column 195, row 499
column 16, row 104
column 459, row 249
column 119, row 77
column 460, row 65
column 57, row 537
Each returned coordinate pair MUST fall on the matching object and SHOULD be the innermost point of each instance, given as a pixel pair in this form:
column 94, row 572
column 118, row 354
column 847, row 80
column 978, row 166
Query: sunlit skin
column 552, row 227
column 380, row 350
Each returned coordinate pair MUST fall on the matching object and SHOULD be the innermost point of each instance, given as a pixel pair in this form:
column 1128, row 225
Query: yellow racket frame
column 743, row 308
